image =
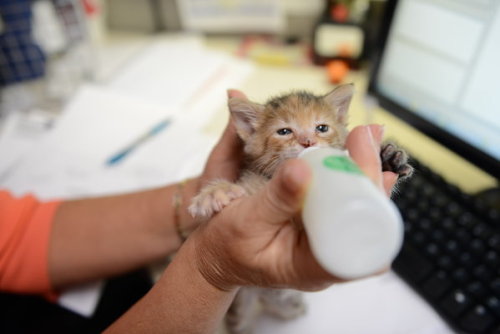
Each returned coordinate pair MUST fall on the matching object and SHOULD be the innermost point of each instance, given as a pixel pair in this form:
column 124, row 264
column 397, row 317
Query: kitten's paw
column 395, row 159
column 214, row 197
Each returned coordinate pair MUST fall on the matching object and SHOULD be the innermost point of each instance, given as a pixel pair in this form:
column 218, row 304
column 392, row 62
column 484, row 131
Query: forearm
column 182, row 301
column 101, row 237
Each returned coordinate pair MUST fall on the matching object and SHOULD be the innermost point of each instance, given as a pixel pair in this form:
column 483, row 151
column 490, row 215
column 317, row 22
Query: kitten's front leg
column 395, row 159
column 214, row 197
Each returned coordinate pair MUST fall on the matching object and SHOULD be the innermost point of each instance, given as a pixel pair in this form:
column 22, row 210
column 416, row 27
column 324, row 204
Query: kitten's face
column 285, row 126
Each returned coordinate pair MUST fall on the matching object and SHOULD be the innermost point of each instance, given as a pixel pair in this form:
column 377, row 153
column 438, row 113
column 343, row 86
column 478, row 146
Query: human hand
column 259, row 240
column 225, row 159
column 223, row 163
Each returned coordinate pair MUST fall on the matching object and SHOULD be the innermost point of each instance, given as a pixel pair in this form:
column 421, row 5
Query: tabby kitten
column 272, row 133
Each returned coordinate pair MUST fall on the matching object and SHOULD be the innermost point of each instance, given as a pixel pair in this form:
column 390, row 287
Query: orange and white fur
column 273, row 132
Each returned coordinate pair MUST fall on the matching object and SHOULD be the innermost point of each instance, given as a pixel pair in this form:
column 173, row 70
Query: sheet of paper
column 19, row 132
column 169, row 72
column 83, row 299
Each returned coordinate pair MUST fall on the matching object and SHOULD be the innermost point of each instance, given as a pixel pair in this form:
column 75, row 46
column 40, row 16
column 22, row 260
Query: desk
column 381, row 304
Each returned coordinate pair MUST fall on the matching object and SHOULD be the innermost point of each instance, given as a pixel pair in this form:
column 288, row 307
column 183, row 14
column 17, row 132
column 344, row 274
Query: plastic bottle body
column 354, row 230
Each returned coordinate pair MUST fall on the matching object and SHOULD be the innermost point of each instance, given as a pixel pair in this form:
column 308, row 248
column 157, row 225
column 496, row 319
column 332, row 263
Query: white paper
column 83, row 299
column 98, row 123
column 169, row 73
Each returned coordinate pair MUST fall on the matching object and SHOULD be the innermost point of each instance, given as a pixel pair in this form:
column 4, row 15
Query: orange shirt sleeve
column 25, row 225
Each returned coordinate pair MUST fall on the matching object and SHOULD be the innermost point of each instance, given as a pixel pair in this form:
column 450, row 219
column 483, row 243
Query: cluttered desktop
column 432, row 78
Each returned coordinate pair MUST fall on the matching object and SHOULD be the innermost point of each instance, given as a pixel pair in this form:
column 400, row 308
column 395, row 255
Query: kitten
column 272, row 133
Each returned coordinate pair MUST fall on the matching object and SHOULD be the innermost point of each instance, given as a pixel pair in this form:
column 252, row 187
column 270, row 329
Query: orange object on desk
column 337, row 70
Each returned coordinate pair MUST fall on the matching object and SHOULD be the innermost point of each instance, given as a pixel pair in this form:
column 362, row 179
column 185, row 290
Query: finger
column 389, row 181
column 363, row 144
column 226, row 155
column 377, row 133
column 283, row 196
column 236, row 93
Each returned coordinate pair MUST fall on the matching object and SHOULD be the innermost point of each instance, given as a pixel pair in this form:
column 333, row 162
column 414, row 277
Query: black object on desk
column 451, row 251
column 32, row 314
column 435, row 71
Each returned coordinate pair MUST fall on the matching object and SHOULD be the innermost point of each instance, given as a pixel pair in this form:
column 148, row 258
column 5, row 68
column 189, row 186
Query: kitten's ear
column 339, row 99
column 245, row 114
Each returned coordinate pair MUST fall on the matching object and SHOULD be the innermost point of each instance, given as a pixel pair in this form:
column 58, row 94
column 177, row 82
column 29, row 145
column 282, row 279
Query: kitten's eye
column 284, row 131
column 322, row 128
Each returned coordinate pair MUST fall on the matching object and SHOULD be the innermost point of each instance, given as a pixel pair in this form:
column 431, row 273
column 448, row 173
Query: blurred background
column 49, row 47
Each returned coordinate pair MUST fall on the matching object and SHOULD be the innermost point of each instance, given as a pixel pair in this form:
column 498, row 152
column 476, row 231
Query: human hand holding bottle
column 259, row 240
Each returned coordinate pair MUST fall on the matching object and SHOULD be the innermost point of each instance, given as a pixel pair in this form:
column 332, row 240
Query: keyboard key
column 477, row 320
column 435, row 215
column 495, row 286
column 441, row 200
column 449, row 224
column 466, row 220
column 437, row 235
column 445, row 262
column 494, row 215
column 482, row 231
column 410, row 263
column 466, row 259
column 455, row 303
column 437, row 285
column 494, row 242
column 492, row 259
column 423, row 205
column 424, row 224
column 453, row 209
column 476, row 289
column 483, row 273
column 452, row 247
column 460, row 275
column 493, row 304
column 412, row 215
column 477, row 246
column 432, row 250
column 419, row 238
column 463, row 235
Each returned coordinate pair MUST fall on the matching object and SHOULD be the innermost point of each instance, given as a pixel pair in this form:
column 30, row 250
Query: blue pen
column 136, row 143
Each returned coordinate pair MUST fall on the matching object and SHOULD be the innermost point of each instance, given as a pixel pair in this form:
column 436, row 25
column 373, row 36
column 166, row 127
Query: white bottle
column 354, row 230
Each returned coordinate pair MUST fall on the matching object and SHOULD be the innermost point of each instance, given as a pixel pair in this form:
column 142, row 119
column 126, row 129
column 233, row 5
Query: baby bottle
column 354, row 230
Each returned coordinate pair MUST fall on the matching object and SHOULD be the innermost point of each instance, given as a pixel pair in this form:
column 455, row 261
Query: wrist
column 210, row 263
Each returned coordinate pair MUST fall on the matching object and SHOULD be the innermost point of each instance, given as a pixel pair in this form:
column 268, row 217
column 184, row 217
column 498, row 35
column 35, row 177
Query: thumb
column 283, row 196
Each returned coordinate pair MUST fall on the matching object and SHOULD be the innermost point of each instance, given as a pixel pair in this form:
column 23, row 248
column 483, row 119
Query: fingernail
column 377, row 132
column 369, row 133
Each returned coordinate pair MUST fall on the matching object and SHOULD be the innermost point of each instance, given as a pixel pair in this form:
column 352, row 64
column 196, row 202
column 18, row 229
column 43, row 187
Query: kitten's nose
column 307, row 143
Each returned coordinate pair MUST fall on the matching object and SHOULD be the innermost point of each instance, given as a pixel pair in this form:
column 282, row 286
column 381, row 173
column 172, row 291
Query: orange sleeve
column 25, row 225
